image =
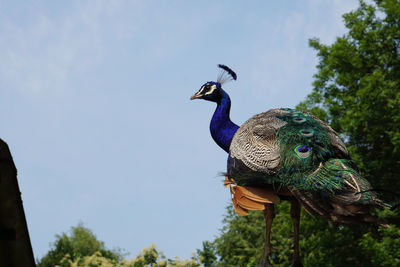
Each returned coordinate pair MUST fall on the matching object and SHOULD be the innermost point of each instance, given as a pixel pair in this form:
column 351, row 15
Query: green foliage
column 148, row 257
column 95, row 260
column 80, row 243
column 241, row 241
column 152, row 257
column 82, row 249
column 207, row 254
column 383, row 247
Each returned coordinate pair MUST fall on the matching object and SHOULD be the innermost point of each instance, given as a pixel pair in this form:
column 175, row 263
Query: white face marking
column 213, row 88
column 200, row 91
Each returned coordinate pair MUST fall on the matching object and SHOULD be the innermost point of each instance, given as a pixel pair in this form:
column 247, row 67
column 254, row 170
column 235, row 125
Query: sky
column 94, row 105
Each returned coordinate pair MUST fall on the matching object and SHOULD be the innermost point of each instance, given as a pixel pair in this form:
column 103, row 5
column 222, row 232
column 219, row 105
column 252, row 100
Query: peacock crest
column 226, row 74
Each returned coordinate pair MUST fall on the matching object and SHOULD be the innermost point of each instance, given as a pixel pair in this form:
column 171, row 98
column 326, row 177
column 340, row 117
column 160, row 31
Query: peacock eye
column 303, row 151
column 210, row 89
column 299, row 119
column 306, row 132
column 334, row 162
column 339, row 175
column 314, row 181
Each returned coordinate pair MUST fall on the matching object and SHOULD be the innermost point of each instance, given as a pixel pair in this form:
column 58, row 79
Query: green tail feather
column 338, row 177
column 330, row 176
column 305, row 143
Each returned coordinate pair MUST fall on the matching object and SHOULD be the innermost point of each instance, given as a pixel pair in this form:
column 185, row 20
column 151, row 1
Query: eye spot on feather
column 307, row 133
column 314, row 181
column 303, row 151
column 299, row 119
column 339, row 175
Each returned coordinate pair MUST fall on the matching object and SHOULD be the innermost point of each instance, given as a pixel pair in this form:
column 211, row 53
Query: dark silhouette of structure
column 15, row 245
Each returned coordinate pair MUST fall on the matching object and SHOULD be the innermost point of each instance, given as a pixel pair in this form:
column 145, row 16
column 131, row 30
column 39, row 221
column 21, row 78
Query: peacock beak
column 196, row 96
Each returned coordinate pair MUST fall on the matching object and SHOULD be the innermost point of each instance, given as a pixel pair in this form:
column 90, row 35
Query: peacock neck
column 221, row 127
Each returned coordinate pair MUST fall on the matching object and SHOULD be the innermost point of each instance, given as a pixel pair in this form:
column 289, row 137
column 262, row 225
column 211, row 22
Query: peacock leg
column 295, row 215
column 269, row 215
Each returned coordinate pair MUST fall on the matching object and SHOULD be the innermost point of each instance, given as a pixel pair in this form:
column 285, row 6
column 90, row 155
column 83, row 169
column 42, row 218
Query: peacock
column 287, row 154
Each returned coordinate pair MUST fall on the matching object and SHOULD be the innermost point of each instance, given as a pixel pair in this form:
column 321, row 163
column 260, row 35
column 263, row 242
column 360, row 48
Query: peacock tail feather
column 304, row 144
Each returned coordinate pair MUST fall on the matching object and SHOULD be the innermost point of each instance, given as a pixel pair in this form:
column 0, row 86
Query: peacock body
column 288, row 148
column 287, row 154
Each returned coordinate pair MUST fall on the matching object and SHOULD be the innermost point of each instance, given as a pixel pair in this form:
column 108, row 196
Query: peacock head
column 212, row 91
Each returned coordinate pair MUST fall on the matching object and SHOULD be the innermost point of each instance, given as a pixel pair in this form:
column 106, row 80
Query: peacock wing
column 254, row 147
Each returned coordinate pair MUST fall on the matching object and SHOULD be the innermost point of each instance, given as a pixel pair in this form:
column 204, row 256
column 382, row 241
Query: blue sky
column 94, row 104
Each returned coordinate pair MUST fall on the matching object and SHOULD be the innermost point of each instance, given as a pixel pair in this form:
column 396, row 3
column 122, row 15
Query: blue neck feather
column 221, row 127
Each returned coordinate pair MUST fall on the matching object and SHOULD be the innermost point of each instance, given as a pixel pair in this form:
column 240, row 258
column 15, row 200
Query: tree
column 241, row 241
column 152, row 257
column 80, row 243
column 82, row 249
column 207, row 254
column 357, row 91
